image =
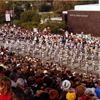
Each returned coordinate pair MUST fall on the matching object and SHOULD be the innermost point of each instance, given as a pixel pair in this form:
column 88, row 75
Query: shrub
column 55, row 26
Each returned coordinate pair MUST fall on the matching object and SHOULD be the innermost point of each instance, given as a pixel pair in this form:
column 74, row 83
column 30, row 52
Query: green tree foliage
column 18, row 11
column 45, row 8
column 55, row 26
column 87, row 2
column 27, row 16
column 3, row 8
column 60, row 6
column 27, row 5
column 29, row 19
column 36, row 18
column 27, row 25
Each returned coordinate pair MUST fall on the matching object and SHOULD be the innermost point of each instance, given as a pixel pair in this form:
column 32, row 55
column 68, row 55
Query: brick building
column 84, row 18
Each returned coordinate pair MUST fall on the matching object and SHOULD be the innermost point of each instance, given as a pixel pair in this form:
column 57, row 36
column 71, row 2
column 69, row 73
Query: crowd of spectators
column 27, row 78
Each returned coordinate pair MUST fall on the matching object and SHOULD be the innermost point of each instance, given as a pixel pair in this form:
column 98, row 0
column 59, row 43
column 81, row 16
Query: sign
column 78, row 15
column 35, row 29
column 7, row 17
column 87, row 36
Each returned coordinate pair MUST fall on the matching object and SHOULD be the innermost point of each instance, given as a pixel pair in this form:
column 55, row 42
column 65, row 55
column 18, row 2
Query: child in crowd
column 5, row 88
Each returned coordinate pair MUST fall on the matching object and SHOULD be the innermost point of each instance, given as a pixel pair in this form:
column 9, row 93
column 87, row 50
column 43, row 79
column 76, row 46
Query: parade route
column 74, row 66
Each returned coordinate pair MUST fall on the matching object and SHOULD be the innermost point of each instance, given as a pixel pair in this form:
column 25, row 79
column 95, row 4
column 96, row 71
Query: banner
column 87, row 36
column 7, row 17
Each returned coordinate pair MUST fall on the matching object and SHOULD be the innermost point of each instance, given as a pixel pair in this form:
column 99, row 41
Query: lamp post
column 31, row 5
column 7, row 5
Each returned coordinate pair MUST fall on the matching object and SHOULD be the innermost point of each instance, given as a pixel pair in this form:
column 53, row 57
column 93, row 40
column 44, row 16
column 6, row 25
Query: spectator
column 18, row 96
column 44, row 96
column 20, row 86
column 5, row 88
column 1, row 71
column 29, row 95
column 38, row 92
column 32, row 83
column 13, row 80
column 63, row 95
column 54, row 95
column 80, row 92
column 97, row 90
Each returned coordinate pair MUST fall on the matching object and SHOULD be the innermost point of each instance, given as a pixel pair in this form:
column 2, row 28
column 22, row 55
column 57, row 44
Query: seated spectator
column 97, row 90
column 5, row 88
column 47, row 89
column 17, row 70
column 13, row 80
column 71, row 89
column 39, row 82
column 18, row 96
column 54, row 95
column 80, row 92
column 28, row 93
column 63, row 95
column 44, row 96
column 31, row 83
column 89, row 91
column 92, row 98
column 20, row 86
column 38, row 92
column 7, row 73
column 1, row 71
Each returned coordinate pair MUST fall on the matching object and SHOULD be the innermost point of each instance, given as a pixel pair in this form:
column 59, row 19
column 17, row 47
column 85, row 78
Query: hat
column 39, row 80
column 54, row 95
column 65, row 85
column 70, row 96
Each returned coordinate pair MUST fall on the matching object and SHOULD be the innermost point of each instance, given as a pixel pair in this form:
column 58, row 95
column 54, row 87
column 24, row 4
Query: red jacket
column 6, row 97
column 83, row 97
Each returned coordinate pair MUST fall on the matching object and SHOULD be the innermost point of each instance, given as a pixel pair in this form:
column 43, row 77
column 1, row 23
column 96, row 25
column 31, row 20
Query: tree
column 60, row 6
column 27, row 16
column 17, row 11
column 29, row 19
column 45, row 8
column 36, row 18
column 87, row 2
column 55, row 26
column 2, row 11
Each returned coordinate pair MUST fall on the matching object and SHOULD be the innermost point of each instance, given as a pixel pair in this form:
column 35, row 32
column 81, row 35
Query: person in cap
column 20, row 86
column 13, row 80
